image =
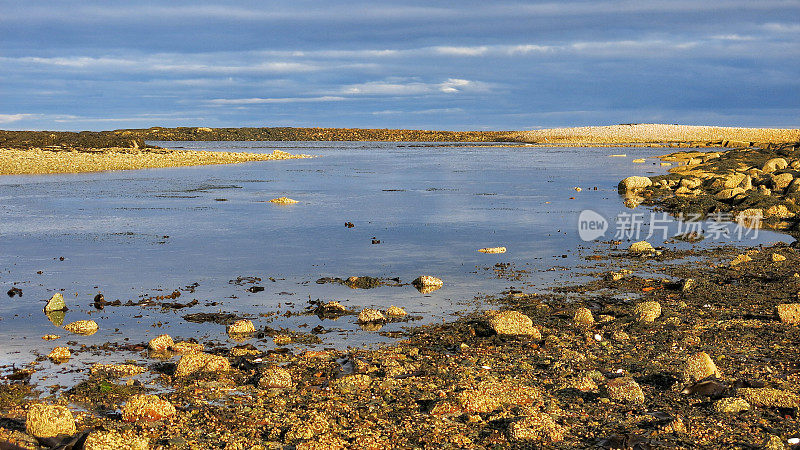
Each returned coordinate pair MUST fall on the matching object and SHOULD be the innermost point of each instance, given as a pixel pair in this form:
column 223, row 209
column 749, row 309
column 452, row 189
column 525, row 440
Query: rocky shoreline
column 661, row 348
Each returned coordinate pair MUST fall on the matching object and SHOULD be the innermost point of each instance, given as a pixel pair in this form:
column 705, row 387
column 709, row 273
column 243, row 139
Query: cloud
column 259, row 101
column 9, row 118
column 782, row 27
column 403, row 88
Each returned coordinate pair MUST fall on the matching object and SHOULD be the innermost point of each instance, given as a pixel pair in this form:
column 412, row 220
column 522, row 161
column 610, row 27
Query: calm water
column 142, row 233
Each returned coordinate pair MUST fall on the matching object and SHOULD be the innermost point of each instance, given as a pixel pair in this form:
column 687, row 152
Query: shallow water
column 134, row 234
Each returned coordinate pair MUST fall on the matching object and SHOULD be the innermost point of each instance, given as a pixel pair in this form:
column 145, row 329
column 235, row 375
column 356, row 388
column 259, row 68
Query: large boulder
column 634, row 183
column 774, row 164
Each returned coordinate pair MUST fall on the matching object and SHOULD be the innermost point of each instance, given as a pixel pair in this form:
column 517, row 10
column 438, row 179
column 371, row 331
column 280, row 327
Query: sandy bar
column 38, row 161
column 641, row 133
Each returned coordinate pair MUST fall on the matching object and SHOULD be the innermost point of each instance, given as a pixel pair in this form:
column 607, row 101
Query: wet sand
column 39, row 161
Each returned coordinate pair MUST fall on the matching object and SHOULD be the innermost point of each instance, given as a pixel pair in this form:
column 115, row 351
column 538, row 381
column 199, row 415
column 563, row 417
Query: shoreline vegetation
column 40, row 152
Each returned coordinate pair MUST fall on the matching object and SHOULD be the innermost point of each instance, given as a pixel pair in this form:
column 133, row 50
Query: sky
column 465, row 65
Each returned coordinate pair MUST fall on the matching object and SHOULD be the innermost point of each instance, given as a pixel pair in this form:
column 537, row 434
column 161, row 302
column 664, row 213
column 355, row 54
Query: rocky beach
column 659, row 347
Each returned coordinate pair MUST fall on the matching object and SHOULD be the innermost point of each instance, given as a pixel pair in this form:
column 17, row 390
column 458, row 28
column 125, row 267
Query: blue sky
column 466, row 65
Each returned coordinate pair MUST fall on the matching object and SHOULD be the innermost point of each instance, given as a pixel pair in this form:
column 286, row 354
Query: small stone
column 647, row 311
column 687, row 284
column 352, row 383
column 201, row 362
column 777, row 257
column 114, row 440
column 396, row 311
column 699, row 366
column 282, row 339
column 146, row 408
column 641, row 247
column 731, row 405
column 513, row 322
column 243, row 326
column 427, row 280
column 116, row 370
column 275, row 378
column 185, row 347
column 789, row 313
column 161, row 343
column 625, row 389
column 45, row 421
column 368, row 315
column 493, row 250
column 538, row 427
column 56, row 303
column 283, row 201
column 741, row 259
column 583, row 316
column 773, row 398
column 60, row 354
column 84, row 327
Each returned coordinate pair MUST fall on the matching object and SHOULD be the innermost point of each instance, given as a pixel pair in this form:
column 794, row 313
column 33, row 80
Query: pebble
column 161, row 343
column 537, row 427
column 427, row 280
column 731, row 405
column 368, row 315
column 625, row 389
column 641, row 247
column 84, row 327
column 113, row 440
column 283, row 201
column 789, row 313
column 583, row 316
column 396, row 311
column 647, row 311
column 512, row 322
column 201, row 362
column 146, row 408
column 492, row 250
column 242, row 326
column 56, row 303
column 60, row 354
column 275, row 378
column 45, row 421
column 699, row 366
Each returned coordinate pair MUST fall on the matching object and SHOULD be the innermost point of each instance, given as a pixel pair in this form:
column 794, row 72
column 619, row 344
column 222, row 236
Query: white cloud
column 782, row 27
column 258, row 101
column 403, row 87
column 9, row 118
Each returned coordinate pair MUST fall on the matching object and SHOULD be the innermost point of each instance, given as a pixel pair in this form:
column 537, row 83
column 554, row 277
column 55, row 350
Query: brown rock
column 113, row 440
column 647, row 311
column 583, row 316
column 275, row 378
column 769, row 397
column 625, row 389
column 147, row 408
column 45, row 421
column 789, row 313
column 513, row 322
column 699, row 366
column 161, row 343
column 538, row 427
column 201, row 362
column 60, row 354
column 368, row 315
column 116, row 370
column 85, row 327
column 243, row 326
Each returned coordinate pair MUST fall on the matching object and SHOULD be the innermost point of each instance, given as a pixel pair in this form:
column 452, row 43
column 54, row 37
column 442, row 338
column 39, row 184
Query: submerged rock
column 85, row 327
column 492, row 250
column 56, row 303
column 147, row 408
column 60, row 354
column 368, row 315
column 283, row 201
column 45, row 421
column 427, row 281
